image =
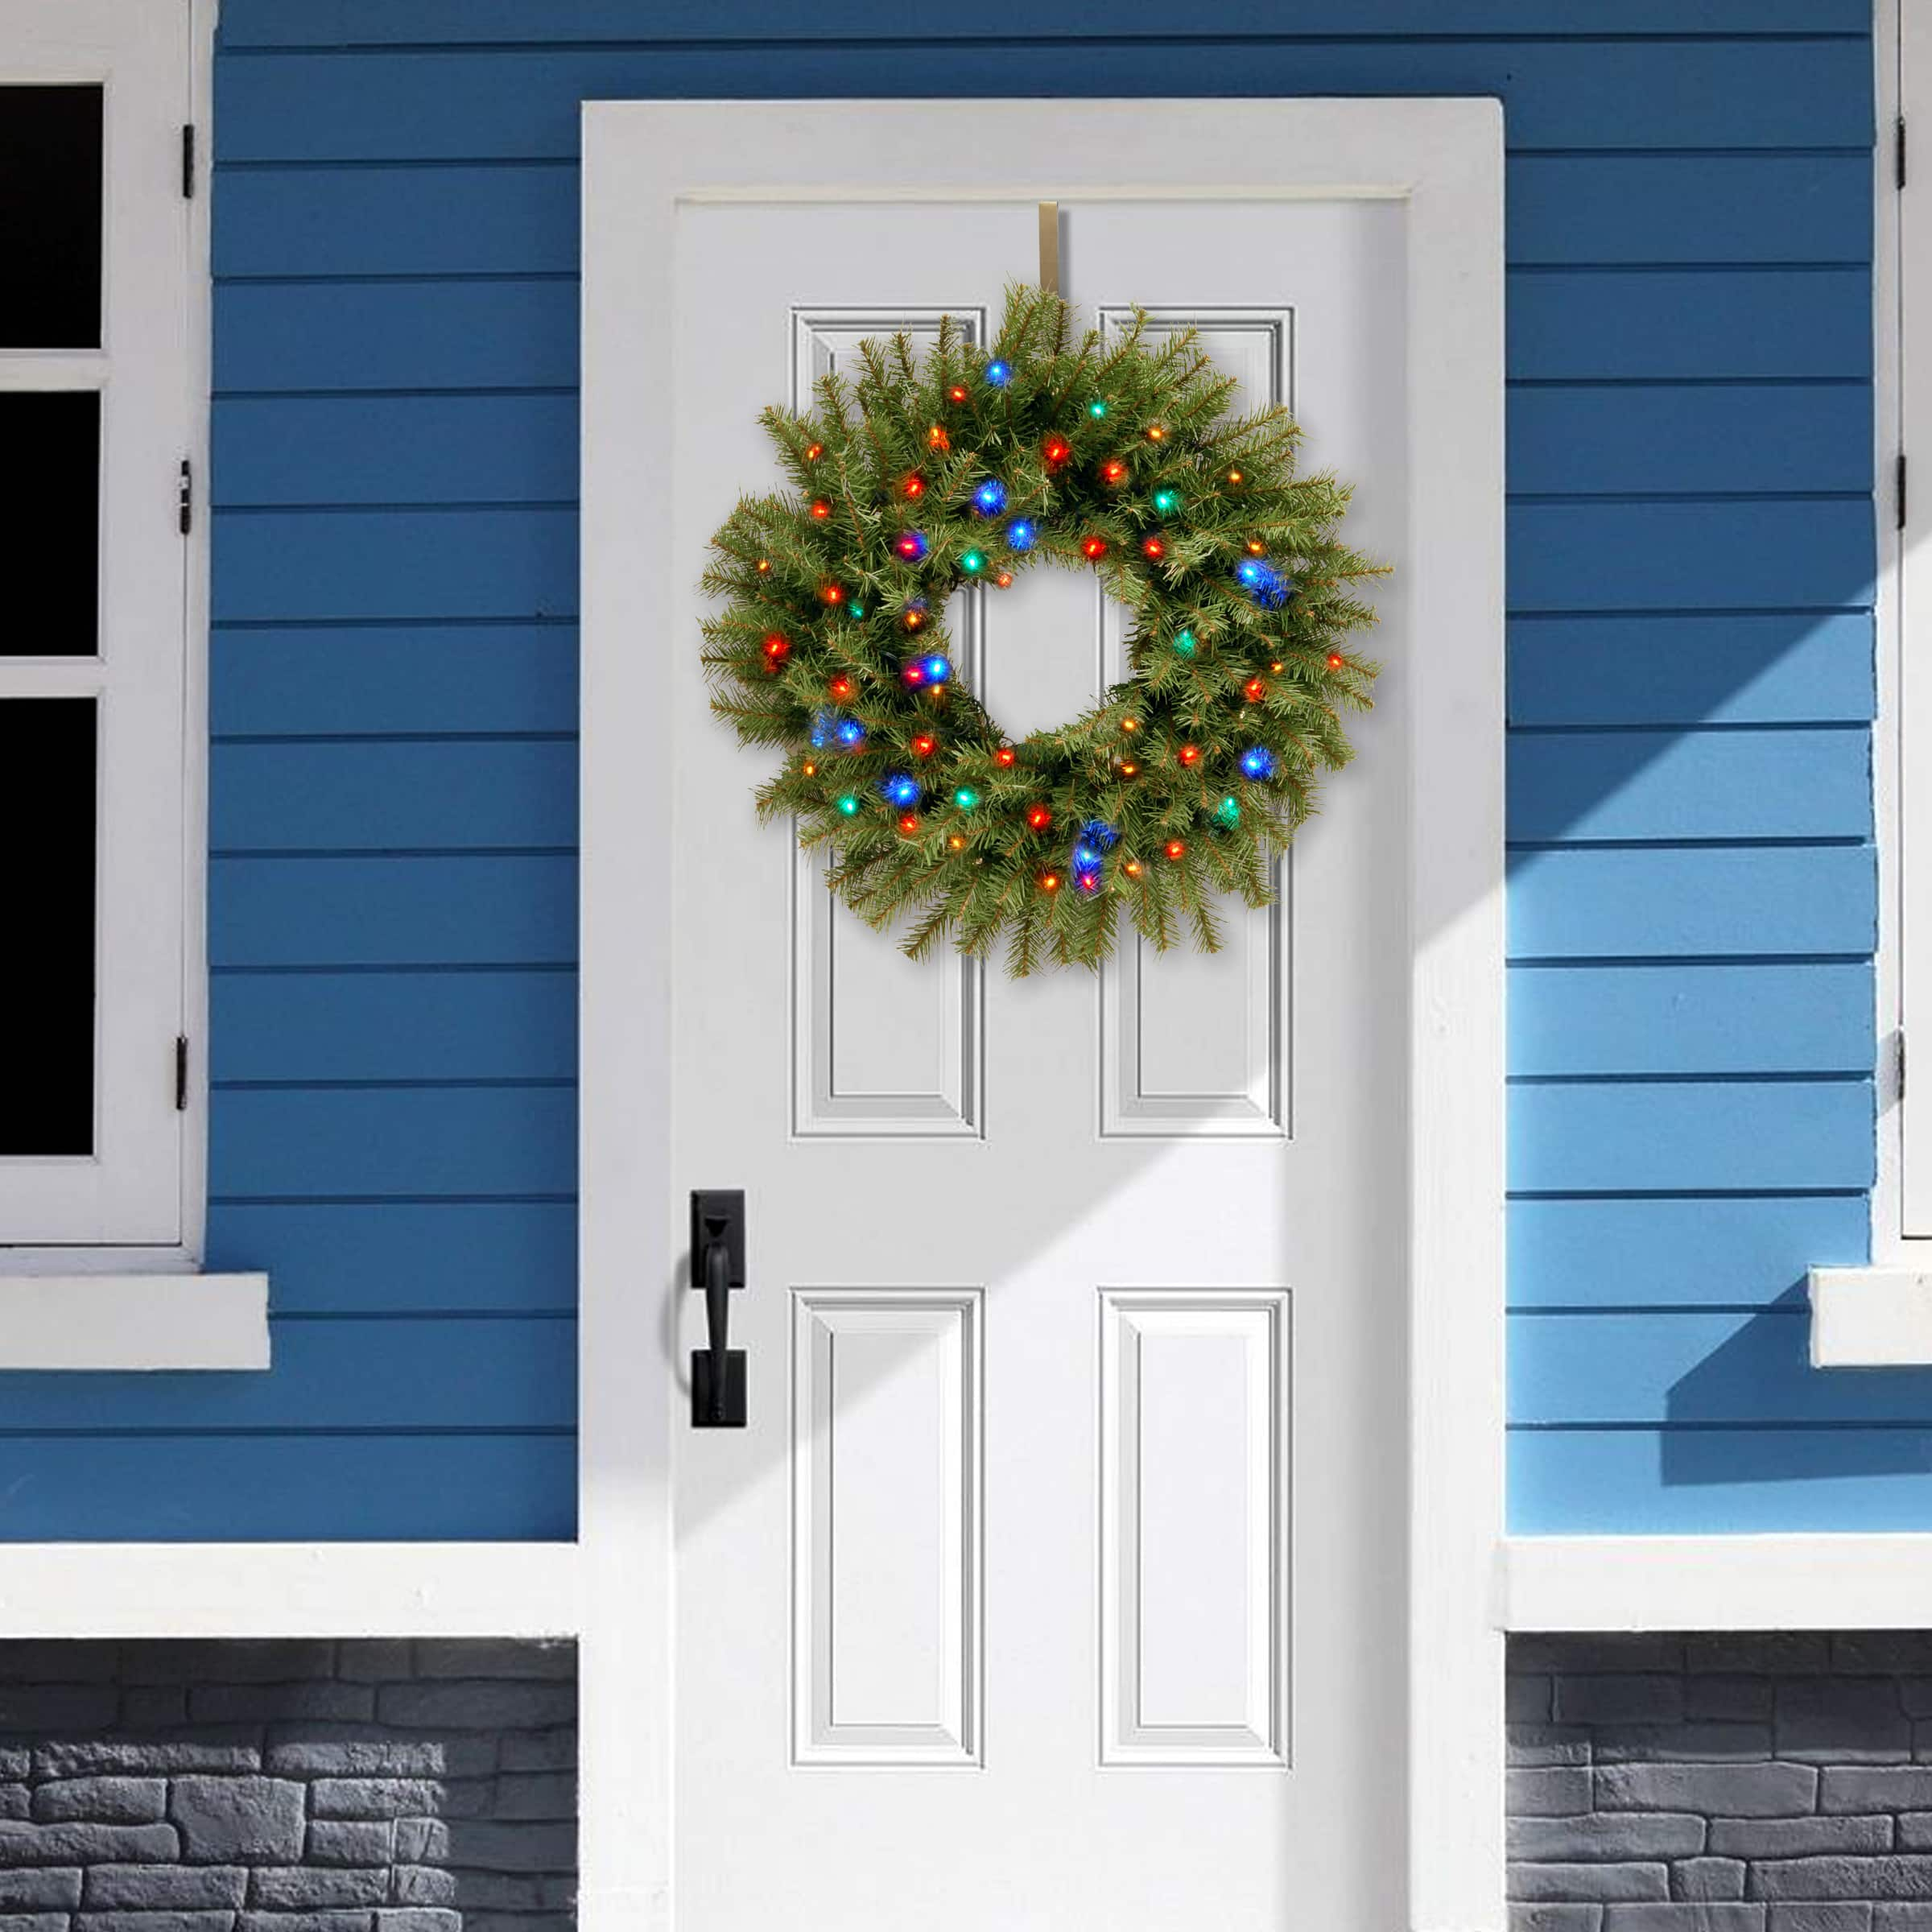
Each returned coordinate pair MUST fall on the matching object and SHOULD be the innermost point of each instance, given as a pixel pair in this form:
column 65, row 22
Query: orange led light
column 1175, row 849
column 814, row 451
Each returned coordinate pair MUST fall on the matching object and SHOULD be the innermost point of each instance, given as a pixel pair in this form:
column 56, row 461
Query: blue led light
column 821, row 729
column 936, row 668
column 1263, row 583
column 1101, row 833
column 989, row 499
column 999, row 374
column 1021, row 534
column 850, row 733
column 901, row 789
column 1086, row 857
column 1257, row 761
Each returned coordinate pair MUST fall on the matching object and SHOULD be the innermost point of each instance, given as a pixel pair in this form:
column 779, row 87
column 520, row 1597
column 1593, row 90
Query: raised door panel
column 886, row 1531
column 881, row 1046
column 1195, row 1412
column 1195, row 1043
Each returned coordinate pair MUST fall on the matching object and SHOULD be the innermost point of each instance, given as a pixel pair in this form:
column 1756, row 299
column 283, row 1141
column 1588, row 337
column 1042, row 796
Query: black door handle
column 717, row 1265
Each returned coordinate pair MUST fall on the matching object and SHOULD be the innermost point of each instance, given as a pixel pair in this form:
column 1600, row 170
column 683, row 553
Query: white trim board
column 134, row 1321
column 287, row 1589
column 1442, row 159
column 1870, row 1318
column 1718, row 1583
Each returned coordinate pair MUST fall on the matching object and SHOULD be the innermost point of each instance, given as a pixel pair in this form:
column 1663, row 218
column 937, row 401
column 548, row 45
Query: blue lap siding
column 393, row 836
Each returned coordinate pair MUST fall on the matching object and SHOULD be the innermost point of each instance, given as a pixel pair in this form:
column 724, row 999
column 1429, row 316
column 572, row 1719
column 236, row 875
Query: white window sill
column 1870, row 1318
column 83, row 1322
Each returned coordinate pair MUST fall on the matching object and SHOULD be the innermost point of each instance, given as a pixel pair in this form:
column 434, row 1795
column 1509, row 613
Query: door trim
column 1443, row 159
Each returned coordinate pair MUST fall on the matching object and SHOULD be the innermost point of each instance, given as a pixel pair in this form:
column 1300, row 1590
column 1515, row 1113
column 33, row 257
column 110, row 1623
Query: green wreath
column 1185, row 782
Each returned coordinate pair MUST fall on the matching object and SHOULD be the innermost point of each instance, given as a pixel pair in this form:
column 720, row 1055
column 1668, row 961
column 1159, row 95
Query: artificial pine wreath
column 1182, row 783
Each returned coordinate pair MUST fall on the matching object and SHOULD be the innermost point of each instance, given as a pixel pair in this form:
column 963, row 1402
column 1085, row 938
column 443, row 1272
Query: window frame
column 143, row 1210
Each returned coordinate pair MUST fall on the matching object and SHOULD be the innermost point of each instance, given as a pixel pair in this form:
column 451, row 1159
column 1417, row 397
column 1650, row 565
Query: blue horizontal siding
column 389, row 794
column 1693, row 1367
column 273, row 451
column 521, row 104
column 454, row 23
column 407, row 1027
column 394, row 1142
column 373, row 1257
column 435, row 910
column 1669, row 439
column 378, row 1373
column 1626, row 1137
column 393, row 902
column 1681, row 324
column 396, row 564
column 1672, row 1017
column 1677, row 785
column 1756, row 554
column 1702, row 902
column 379, row 1487
column 412, row 680
column 1649, row 1251
column 1733, row 1481
column 1731, row 669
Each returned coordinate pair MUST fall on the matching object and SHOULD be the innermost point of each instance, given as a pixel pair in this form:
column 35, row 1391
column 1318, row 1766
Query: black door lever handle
column 717, row 1265
column 717, row 1321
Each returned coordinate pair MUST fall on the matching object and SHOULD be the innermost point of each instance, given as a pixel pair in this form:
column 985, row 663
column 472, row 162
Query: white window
column 103, row 386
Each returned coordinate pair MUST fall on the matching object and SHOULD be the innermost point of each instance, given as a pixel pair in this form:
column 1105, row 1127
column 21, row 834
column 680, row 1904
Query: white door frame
column 1444, row 159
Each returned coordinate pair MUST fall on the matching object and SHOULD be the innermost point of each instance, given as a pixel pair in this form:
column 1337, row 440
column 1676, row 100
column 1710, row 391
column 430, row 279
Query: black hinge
column 1898, row 152
column 1898, row 1062
column 1898, row 491
column 187, row 161
column 180, row 1073
column 184, row 498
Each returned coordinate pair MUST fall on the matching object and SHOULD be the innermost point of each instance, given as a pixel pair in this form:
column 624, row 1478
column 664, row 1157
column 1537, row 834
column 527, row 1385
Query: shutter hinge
column 180, row 1073
column 1898, row 491
column 187, row 160
column 1898, row 152
column 184, row 498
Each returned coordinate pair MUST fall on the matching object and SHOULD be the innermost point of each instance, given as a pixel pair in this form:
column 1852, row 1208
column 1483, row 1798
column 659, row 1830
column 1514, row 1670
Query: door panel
column 1196, row 1418
column 886, row 1483
column 983, row 1619
column 881, row 1046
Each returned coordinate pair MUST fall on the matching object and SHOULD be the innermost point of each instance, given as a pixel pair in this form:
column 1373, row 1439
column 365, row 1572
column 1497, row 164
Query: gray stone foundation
column 1779, row 1783
column 367, row 1786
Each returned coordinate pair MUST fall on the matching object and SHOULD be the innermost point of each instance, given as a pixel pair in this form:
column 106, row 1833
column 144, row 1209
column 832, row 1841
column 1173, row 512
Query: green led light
column 973, row 563
column 1166, row 501
column 858, row 610
column 1096, row 409
column 965, row 798
column 1183, row 644
column 848, row 804
column 1228, row 812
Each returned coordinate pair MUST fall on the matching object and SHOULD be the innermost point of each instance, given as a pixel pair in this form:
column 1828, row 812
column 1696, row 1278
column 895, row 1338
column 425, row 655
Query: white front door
column 1053, row 1582
column 1058, row 1579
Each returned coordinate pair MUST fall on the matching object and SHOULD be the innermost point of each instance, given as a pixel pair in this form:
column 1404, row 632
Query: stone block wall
column 367, row 1786
column 1752, row 1783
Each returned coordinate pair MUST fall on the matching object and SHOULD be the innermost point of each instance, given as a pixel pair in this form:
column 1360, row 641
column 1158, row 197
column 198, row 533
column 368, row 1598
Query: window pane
column 50, row 217
column 50, row 510
column 47, row 888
